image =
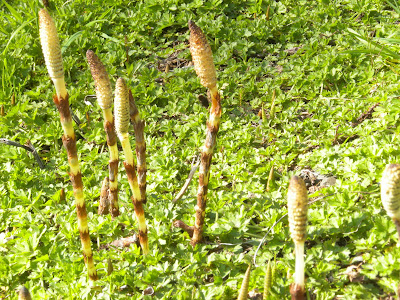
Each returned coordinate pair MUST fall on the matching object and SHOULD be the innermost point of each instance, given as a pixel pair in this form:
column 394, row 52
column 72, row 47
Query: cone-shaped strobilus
column 138, row 125
column 52, row 55
column 205, row 69
column 390, row 196
column 104, row 99
column 121, row 112
column 23, row 294
column 245, row 285
column 297, row 211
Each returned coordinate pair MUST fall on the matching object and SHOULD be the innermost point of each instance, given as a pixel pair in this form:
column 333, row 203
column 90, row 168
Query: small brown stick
column 52, row 54
column 138, row 126
column 104, row 99
column 180, row 224
column 29, row 147
column 365, row 115
column 187, row 182
column 205, row 69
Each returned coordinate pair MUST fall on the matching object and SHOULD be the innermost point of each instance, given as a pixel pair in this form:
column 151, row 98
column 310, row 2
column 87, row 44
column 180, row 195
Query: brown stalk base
column 180, row 224
column 298, row 292
column 205, row 163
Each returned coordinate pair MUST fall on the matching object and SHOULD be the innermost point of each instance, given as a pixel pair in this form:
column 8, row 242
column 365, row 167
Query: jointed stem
column 136, row 197
column 205, row 163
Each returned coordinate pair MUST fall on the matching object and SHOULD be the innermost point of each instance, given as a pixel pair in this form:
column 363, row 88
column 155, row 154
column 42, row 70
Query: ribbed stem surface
column 205, row 163
column 104, row 99
column 121, row 112
column 245, row 285
column 52, row 54
column 138, row 125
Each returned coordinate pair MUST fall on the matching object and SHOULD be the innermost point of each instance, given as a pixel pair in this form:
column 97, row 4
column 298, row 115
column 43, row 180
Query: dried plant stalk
column 121, row 112
column 138, row 125
column 205, row 69
column 23, row 294
column 297, row 211
column 52, row 54
column 104, row 202
column 390, row 196
column 245, row 285
column 104, row 99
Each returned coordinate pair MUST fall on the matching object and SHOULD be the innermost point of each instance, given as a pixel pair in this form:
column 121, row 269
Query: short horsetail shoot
column 297, row 211
column 23, row 294
column 121, row 112
column 245, row 285
column 104, row 99
column 390, row 196
column 52, row 55
column 205, row 70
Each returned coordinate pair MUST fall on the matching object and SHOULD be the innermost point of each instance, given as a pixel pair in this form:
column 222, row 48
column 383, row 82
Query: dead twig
column 365, row 115
column 188, row 180
column 28, row 147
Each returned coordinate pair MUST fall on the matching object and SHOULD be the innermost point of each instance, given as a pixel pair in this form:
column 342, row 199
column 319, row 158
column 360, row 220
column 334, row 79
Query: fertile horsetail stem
column 205, row 69
column 121, row 112
column 52, row 55
column 23, row 294
column 245, row 285
column 297, row 211
column 138, row 125
column 390, row 196
column 104, row 99
column 267, row 281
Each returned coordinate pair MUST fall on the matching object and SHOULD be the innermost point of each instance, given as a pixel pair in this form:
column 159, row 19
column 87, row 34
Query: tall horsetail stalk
column 297, row 211
column 205, row 69
column 121, row 112
column 390, row 196
column 104, row 99
column 52, row 55
column 138, row 125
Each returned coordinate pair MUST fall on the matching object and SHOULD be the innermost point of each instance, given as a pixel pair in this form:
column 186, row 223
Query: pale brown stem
column 205, row 163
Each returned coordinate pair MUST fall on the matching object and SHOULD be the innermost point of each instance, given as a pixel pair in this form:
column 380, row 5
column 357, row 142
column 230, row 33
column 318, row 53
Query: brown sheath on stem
column 138, row 126
column 104, row 99
column 205, row 69
column 121, row 112
column 297, row 292
column 52, row 54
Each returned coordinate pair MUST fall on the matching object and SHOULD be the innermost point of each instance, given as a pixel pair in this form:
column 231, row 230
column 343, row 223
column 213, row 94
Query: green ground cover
column 328, row 62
